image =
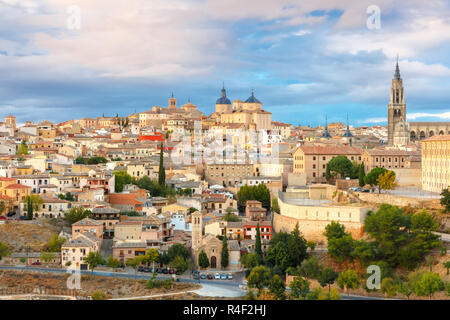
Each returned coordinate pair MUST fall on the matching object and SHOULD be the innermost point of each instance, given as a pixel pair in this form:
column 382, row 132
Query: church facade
column 401, row 132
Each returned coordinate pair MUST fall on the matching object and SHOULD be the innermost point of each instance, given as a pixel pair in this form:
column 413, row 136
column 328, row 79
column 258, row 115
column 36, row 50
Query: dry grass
column 112, row 287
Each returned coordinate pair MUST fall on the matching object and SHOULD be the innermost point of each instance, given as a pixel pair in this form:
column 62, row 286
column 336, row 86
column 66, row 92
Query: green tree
column 55, row 243
column 341, row 166
column 406, row 289
column 260, row 193
column 112, row 262
column 297, row 248
column 76, row 214
column 361, row 175
column 277, row 287
column 326, row 277
column 32, row 203
column 180, row 264
column 152, row 256
column 249, row 260
column 203, row 260
column 225, row 255
column 121, row 178
column 22, row 149
column 231, row 217
column 299, row 288
column 259, row 277
column 5, row 250
column 178, row 250
column 428, row 285
column 386, row 181
column 348, row 280
column 372, row 177
column 388, row 287
column 94, row 259
column 310, row 268
column 447, row 265
column 334, row 230
column 275, row 206
column 445, row 200
column 47, row 257
column 278, row 255
column 258, row 246
column 162, row 171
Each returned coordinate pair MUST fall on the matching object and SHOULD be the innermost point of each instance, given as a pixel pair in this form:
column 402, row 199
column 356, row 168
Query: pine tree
column 224, row 257
column 361, row 174
column 162, row 171
column 258, row 249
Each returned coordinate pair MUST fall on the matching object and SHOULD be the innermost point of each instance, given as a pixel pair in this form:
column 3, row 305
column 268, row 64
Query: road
column 210, row 288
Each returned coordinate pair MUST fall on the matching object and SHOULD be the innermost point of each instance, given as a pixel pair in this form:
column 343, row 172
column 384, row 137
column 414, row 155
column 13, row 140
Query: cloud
column 418, row 115
column 310, row 56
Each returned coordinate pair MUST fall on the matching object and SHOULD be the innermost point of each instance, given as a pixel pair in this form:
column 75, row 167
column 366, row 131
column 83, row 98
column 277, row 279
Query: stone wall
column 312, row 219
column 296, row 179
column 399, row 200
column 313, row 230
column 408, row 177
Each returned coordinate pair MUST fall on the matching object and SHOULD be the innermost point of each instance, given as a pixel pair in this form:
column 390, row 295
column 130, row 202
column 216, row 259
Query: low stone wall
column 408, row 177
column 400, row 201
column 313, row 230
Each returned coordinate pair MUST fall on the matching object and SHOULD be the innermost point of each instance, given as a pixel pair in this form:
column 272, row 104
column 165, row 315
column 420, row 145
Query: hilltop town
column 181, row 195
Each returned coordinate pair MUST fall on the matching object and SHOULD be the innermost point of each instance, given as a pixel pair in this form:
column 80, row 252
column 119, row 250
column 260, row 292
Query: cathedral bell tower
column 197, row 230
column 172, row 105
column 396, row 108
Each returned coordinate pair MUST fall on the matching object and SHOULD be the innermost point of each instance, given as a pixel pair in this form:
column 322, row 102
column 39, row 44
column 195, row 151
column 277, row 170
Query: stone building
column 436, row 163
column 212, row 246
column 313, row 159
column 385, row 158
column 401, row 132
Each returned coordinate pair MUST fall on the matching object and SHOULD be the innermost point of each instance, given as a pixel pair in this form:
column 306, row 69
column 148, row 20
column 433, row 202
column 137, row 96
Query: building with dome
column 223, row 104
column 248, row 112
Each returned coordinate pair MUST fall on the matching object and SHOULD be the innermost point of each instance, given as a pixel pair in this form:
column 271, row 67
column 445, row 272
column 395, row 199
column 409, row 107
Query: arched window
column 431, row 133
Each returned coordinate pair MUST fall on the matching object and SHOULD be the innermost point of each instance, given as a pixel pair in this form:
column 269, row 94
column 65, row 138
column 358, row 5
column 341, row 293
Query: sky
column 306, row 60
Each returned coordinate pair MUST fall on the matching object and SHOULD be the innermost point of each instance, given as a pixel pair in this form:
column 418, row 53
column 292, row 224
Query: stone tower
column 11, row 120
column 397, row 109
column 172, row 103
column 197, row 230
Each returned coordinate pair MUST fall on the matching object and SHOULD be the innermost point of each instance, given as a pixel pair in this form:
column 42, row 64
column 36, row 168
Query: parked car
column 37, row 263
column 158, row 270
column 165, row 271
column 230, row 276
column 146, row 269
column 171, row 271
column 365, row 190
column 217, row 276
column 210, row 276
column 203, row 276
column 196, row 276
column 140, row 269
column 224, row 276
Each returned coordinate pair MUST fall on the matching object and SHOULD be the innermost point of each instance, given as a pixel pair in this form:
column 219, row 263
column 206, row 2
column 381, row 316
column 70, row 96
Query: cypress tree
column 162, row 171
column 361, row 174
column 224, row 258
column 258, row 249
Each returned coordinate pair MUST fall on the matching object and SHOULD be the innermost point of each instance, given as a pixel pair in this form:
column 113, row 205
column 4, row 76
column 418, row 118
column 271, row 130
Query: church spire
column 348, row 133
column 326, row 134
column 397, row 71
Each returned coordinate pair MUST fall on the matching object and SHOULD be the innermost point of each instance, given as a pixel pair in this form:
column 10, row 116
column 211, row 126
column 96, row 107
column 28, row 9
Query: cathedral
column 400, row 132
